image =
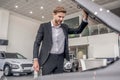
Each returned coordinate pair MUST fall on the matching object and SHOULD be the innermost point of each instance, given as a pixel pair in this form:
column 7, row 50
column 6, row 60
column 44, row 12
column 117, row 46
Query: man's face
column 58, row 17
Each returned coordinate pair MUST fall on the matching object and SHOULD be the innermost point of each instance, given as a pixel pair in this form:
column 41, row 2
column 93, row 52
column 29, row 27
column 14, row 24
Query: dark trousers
column 53, row 65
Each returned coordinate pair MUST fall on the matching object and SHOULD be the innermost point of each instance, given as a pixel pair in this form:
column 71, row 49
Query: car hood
column 19, row 61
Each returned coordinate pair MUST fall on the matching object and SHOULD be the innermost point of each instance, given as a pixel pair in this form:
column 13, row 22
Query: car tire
column 7, row 70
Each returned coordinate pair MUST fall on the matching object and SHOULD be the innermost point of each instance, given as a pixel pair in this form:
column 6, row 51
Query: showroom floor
column 23, row 77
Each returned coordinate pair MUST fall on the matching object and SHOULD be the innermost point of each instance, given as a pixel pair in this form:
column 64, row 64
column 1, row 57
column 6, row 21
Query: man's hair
column 59, row 9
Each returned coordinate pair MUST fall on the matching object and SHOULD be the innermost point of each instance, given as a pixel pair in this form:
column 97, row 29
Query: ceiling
column 32, row 8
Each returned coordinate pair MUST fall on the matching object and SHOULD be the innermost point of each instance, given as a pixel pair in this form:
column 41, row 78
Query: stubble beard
column 58, row 22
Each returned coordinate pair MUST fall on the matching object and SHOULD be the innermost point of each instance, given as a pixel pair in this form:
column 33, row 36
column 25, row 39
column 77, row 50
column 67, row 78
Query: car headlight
column 14, row 66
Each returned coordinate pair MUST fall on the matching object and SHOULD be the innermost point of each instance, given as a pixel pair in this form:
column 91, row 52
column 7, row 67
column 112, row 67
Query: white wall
column 104, row 45
column 21, row 34
column 4, row 18
column 99, row 46
column 78, row 41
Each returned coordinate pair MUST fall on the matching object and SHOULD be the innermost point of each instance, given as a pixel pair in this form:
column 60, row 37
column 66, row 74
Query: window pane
column 73, row 22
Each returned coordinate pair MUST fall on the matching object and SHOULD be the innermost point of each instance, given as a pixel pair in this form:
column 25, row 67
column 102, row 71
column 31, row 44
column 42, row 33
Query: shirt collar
column 54, row 26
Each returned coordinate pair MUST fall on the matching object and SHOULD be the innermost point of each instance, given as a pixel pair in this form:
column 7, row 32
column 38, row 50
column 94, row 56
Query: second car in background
column 12, row 63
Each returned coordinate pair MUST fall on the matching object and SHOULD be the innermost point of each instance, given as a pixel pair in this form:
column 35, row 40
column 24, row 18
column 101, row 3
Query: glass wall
column 73, row 23
column 89, row 30
column 97, row 30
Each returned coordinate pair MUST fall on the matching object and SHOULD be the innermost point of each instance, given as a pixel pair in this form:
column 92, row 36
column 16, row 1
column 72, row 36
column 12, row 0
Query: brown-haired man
column 54, row 47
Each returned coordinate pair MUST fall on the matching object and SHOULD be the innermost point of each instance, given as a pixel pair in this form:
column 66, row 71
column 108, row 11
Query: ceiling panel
column 25, row 6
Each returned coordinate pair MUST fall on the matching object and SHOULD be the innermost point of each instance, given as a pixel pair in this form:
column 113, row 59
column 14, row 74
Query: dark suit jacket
column 44, row 35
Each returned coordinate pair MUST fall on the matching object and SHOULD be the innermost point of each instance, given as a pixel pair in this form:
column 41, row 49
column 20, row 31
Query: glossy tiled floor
column 23, row 77
column 111, row 72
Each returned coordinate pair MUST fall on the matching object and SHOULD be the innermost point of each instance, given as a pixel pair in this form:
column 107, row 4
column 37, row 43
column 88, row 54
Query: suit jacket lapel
column 49, row 29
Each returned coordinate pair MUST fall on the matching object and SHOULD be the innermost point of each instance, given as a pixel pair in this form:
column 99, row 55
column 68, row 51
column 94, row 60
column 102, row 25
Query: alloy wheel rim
column 6, row 70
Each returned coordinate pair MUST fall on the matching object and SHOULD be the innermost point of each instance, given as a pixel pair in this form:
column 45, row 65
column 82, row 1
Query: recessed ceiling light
column 43, row 17
column 16, row 6
column 59, row 0
column 41, row 7
column 95, row 13
column 93, row 0
column 30, row 12
column 101, row 9
column 108, row 11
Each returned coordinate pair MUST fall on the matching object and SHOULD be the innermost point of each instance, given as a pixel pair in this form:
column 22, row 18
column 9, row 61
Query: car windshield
column 14, row 55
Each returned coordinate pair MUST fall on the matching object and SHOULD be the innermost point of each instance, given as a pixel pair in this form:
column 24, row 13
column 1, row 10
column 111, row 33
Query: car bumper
column 28, row 70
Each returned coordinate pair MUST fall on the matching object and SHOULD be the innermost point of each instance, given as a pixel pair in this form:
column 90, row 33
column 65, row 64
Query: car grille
column 26, row 65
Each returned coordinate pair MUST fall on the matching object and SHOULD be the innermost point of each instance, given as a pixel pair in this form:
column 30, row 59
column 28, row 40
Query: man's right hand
column 36, row 65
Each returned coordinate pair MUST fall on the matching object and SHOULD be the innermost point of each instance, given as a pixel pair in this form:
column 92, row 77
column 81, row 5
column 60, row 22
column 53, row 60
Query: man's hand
column 36, row 65
column 84, row 15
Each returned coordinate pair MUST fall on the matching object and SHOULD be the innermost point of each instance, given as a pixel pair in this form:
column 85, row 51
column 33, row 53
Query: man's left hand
column 84, row 14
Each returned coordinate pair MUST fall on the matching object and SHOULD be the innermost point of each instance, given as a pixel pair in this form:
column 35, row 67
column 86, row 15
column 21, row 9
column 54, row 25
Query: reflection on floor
column 22, row 77
column 111, row 72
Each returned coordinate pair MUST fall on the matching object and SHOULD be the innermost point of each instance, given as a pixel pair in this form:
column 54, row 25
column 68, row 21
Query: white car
column 15, row 63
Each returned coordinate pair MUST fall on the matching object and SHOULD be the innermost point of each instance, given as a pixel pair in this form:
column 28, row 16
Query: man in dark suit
column 54, row 46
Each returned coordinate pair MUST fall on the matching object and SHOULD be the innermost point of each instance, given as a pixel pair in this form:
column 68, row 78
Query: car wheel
column 7, row 70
